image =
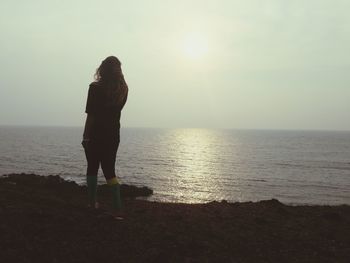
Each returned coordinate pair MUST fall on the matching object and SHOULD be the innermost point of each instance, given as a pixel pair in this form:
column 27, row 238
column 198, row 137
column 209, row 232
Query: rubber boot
column 115, row 189
column 91, row 182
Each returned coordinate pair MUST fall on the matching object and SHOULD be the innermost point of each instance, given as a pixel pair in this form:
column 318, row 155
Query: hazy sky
column 281, row 64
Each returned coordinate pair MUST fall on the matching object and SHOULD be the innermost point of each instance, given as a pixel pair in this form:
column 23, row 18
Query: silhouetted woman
column 106, row 98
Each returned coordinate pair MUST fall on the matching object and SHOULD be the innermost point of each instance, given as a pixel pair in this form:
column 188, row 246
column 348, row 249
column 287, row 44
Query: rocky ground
column 45, row 219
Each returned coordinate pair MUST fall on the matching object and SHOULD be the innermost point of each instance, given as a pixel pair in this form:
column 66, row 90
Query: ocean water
column 198, row 165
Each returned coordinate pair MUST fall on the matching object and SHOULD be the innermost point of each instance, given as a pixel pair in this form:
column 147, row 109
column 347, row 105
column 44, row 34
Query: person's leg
column 91, row 153
column 108, row 168
column 115, row 189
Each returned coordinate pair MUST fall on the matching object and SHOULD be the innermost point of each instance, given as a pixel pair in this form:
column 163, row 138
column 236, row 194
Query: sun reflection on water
column 196, row 155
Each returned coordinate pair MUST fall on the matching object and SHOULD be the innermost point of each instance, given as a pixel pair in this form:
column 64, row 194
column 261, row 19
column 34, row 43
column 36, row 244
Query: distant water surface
column 198, row 165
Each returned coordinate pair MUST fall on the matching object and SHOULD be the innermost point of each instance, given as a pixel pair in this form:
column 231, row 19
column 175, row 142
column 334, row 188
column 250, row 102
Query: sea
column 197, row 165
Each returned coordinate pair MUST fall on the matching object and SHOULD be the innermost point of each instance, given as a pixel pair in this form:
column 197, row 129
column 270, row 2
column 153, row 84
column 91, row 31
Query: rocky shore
column 45, row 219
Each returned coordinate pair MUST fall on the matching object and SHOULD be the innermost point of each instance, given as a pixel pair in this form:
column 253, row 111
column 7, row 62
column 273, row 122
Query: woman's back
column 106, row 123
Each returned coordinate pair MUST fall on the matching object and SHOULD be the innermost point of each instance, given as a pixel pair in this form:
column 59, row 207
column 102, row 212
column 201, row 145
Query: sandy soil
column 45, row 219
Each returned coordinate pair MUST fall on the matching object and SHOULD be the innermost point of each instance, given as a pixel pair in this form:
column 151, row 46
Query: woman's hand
column 85, row 143
column 87, row 130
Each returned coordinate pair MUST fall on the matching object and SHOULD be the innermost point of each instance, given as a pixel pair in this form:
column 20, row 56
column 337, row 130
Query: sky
column 253, row 64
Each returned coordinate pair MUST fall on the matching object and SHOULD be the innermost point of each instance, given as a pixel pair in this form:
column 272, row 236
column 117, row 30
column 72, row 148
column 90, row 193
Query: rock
column 56, row 182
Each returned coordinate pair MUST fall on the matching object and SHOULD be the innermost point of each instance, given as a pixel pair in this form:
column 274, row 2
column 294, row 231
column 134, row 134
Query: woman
column 106, row 98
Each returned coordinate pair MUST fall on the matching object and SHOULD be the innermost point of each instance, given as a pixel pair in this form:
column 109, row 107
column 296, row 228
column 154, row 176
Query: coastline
column 44, row 218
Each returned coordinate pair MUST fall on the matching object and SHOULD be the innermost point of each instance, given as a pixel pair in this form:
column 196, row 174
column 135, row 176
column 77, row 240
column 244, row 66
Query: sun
column 195, row 46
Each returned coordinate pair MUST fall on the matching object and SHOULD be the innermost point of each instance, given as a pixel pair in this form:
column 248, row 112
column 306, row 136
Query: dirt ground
column 45, row 219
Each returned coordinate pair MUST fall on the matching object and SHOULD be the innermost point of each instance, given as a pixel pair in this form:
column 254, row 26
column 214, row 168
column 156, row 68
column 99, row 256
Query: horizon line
column 159, row 127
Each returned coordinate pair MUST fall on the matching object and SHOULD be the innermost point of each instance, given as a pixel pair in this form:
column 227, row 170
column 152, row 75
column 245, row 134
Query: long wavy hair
column 109, row 75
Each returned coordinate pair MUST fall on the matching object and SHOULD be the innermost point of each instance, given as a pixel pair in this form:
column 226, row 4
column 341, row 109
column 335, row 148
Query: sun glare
column 195, row 46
